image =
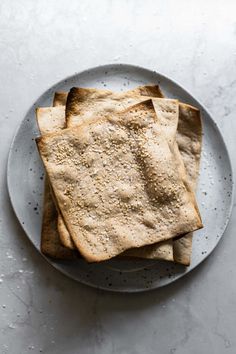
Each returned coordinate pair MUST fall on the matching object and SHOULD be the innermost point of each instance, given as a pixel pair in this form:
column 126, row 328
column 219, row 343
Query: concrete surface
column 41, row 42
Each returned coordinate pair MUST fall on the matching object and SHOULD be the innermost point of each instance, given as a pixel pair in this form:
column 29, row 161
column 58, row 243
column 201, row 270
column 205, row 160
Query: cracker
column 51, row 119
column 79, row 98
column 116, row 183
column 189, row 140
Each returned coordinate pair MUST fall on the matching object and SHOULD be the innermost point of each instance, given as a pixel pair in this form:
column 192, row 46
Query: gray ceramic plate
column 25, row 184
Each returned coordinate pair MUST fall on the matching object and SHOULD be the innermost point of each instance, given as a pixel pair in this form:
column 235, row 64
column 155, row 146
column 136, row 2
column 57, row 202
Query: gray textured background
column 41, row 42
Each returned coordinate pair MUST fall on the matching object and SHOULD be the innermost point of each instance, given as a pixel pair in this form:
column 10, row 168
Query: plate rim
column 200, row 105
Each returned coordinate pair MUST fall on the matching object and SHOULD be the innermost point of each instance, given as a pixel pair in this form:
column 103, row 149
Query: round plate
column 214, row 195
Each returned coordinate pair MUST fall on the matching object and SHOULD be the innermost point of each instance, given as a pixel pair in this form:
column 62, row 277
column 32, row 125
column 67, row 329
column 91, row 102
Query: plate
column 25, row 178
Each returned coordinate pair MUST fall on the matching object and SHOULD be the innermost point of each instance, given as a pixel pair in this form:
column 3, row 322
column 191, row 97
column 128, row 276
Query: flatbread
column 189, row 137
column 51, row 119
column 82, row 103
column 47, row 121
column 60, row 99
column 85, row 103
column 50, row 242
column 189, row 140
column 106, row 100
column 190, row 149
column 124, row 161
column 148, row 90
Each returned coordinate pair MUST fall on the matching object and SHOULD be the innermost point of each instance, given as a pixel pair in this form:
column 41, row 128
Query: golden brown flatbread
column 189, row 137
column 51, row 119
column 189, row 140
column 127, row 191
column 49, row 122
column 85, row 103
column 82, row 103
column 105, row 100
column 60, row 99
column 50, row 242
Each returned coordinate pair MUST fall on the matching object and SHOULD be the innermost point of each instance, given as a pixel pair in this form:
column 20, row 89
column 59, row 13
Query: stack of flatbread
column 121, row 173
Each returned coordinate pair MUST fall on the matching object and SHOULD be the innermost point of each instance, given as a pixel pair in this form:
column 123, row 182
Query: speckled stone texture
column 43, row 42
